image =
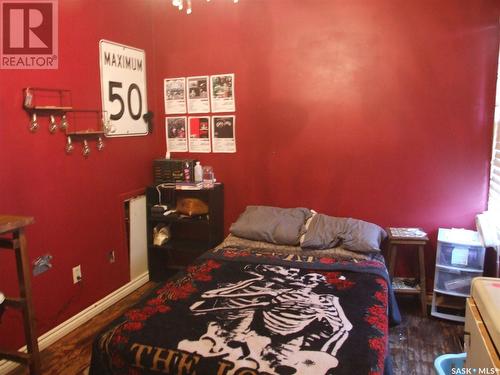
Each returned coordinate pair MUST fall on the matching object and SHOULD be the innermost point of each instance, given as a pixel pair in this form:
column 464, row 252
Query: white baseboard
column 77, row 320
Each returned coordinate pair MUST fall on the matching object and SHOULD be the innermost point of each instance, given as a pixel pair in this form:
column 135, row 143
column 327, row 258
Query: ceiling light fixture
column 179, row 4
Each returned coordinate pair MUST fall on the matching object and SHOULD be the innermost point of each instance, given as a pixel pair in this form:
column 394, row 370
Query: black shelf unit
column 189, row 236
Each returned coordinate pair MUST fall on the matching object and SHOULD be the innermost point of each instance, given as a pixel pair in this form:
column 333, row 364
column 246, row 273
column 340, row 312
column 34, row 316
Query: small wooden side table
column 13, row 238
column 407, row 237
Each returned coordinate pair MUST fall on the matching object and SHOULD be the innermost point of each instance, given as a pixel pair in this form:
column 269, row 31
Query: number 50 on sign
column 123, row 88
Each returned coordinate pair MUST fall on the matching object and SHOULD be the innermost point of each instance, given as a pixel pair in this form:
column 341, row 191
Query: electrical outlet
column 77, row 274
column 111, row 256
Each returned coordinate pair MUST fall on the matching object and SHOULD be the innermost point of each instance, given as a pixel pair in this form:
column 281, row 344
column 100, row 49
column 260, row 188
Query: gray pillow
column 282, row 226
column 357, row 235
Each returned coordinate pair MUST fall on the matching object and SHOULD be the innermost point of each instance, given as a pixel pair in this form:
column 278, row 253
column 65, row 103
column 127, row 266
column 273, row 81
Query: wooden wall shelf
column 55, row 104
column 90, row 133
column 49, row 108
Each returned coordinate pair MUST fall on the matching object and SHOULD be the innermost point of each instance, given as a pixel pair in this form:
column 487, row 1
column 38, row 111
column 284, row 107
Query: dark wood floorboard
column 71, row 354
column 414, row 344
column 417, row 341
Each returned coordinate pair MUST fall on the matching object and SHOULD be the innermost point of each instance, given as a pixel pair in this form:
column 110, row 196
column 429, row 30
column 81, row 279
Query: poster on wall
column 176, row 134
column 222, row 93
column 198, row 100
column 224, row 134
column 199, row 134
column 175, row 95
column 123, row 88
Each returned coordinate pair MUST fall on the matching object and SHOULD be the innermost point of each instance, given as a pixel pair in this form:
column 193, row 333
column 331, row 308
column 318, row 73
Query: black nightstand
column 189, row 236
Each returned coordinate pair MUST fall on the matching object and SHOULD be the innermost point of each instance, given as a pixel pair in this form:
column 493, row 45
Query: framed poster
column 198, row 100
column 224, row 133
column 123, row 88
column 222, row 93
column 176, row 131
column 175, row 95
column 199, row 134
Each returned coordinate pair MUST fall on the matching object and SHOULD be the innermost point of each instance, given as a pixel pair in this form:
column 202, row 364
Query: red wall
column 377, row 110
column 77, row 203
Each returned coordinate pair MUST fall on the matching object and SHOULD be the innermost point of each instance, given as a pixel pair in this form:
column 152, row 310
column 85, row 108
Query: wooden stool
column 408, row 237
column 14, row 225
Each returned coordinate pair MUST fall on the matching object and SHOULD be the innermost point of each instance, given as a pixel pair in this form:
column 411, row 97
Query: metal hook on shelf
column 69, row 145
column 52, row 124
column 33, row 127
column 64, row 122
column 100, row 144
column 86, row 148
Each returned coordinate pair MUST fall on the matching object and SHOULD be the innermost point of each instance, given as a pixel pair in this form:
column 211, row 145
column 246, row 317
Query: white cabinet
column 482, row 325
column 459, row 259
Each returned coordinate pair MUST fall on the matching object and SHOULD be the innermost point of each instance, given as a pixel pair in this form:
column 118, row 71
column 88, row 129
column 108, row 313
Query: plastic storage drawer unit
column 461, row 256
column 459, row 259
column 454, row 281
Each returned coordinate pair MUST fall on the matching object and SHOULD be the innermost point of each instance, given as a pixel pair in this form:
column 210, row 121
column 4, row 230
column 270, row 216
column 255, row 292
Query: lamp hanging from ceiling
column 179, row 4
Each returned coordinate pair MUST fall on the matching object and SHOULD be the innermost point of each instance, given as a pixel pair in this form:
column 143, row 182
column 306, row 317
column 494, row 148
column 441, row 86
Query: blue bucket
column 446, row 362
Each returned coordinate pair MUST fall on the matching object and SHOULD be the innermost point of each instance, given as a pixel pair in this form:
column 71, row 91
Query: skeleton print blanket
column 245, row 312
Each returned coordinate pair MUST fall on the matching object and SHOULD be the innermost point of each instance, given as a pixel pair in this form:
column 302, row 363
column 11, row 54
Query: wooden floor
column 71, row 354
column 414, row 344
column 417, row 341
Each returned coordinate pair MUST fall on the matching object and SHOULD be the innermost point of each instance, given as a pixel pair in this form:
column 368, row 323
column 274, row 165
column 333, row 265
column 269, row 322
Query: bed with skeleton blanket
column 254, row 307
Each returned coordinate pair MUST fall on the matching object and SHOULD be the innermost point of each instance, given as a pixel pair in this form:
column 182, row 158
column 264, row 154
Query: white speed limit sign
column 123, row 88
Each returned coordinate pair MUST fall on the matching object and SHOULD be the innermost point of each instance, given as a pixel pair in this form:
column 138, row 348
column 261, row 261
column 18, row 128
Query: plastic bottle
column 187, row 174
column 198, row 172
